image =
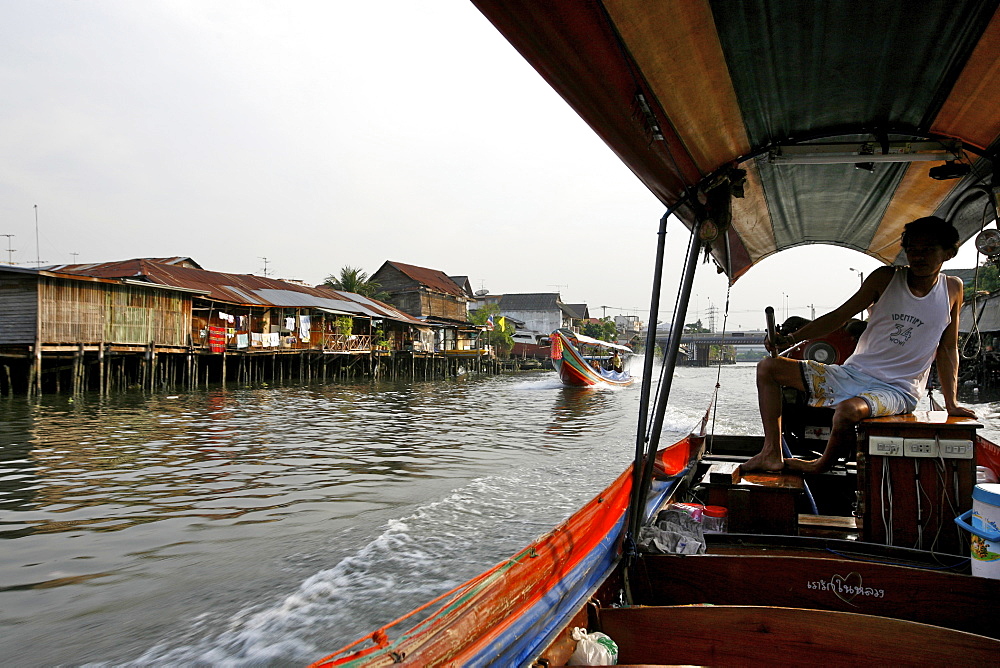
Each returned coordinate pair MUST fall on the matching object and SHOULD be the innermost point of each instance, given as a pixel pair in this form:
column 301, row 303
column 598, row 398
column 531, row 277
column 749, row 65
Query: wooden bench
column 751, row 635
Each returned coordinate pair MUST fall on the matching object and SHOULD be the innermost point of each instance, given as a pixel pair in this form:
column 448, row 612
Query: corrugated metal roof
column 379, row 309
column 967, row 275
column 576, row 310
column 245, row 289
column 530, row 301
column 987, row 314
column 431, row 278
column 286, row 297
column 77, row 276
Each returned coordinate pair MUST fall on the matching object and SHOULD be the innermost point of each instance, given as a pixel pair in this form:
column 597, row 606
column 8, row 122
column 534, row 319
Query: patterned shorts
column 829, row 384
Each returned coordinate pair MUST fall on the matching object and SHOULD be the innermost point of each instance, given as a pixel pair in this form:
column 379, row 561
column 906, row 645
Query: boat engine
column 833, row 348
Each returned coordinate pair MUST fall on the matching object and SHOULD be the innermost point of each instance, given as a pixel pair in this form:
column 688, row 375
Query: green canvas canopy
column 784, row 122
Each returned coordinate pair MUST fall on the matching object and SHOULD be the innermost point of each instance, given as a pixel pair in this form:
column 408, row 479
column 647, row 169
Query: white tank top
column 903, row 333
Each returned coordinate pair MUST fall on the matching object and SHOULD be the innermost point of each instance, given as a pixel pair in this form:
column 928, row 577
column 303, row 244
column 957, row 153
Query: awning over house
column 684, row 92
column 336, row 312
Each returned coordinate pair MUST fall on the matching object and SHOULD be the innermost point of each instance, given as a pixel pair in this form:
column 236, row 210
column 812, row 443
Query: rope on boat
column 718, row 376
column 974, row 333
column 380, row 636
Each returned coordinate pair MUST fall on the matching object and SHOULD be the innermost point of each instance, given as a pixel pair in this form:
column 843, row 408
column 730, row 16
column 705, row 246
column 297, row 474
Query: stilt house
column 436, row 299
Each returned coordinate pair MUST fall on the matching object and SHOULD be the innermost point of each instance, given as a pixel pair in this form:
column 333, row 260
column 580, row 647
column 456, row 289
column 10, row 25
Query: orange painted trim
column 969, row 113
column 678, row 50
column 917, row 195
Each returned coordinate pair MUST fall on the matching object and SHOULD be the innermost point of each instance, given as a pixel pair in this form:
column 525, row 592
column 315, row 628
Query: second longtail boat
column 583, row 361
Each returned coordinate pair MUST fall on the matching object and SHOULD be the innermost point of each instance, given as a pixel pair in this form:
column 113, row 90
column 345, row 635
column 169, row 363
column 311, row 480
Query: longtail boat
column 760, row 126
column 582, row 361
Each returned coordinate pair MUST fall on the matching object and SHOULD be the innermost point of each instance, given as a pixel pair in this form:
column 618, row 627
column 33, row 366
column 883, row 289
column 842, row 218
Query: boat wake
column 414, row 559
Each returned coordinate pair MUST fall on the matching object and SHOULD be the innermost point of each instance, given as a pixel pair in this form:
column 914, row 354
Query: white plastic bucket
column 985, row 530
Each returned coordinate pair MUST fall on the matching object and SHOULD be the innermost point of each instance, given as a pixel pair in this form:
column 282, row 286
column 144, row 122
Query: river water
column 272, row 525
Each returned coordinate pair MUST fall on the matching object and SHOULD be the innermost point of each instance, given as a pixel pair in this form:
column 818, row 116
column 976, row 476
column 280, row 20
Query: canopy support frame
column 645, row 446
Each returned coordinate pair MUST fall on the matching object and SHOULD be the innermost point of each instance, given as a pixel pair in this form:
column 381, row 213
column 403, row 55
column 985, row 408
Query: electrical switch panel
column 953, row 449
column 887, row 446
column 920, row 447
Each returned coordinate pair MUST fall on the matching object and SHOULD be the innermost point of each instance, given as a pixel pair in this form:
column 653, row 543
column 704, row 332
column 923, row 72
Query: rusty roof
column 380, row 309
column 431, row 278
column 243, row 289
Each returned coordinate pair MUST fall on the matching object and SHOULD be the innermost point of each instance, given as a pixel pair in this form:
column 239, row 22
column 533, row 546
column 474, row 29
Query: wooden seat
column 753, row 635
column 760, row 502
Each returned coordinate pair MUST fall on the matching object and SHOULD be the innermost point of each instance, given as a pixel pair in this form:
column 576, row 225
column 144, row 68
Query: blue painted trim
column 534, row 630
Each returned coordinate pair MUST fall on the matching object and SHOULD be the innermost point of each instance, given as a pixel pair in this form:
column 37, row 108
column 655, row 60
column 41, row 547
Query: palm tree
column 354, row 279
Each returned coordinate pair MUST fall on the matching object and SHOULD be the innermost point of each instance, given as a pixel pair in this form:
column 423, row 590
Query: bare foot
column 806, row 466
column 763, row 461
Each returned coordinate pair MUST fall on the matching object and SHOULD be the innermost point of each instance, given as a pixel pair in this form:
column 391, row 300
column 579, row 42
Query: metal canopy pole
column 643, row 465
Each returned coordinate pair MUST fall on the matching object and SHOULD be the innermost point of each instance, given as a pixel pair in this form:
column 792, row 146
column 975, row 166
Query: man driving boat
column 914, row 321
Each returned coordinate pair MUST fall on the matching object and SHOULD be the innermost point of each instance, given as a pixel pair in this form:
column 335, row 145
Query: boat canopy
column 597, row 342
column 783, row 122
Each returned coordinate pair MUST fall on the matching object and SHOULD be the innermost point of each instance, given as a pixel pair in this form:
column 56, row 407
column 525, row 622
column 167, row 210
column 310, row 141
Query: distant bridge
column 755, row 338
column 741, row 338
column 696, row 346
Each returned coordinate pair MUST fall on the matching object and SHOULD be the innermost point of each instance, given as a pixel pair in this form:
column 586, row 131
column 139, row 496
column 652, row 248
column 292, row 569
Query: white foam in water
column 548, row 382
column 412, row 561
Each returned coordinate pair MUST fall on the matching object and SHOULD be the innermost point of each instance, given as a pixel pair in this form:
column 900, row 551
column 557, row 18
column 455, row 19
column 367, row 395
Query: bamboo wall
column 443, row 306
column 91, row 312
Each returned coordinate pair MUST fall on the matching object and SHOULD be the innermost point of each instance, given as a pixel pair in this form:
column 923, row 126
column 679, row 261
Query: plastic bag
column 675, row 532
column 593, row 649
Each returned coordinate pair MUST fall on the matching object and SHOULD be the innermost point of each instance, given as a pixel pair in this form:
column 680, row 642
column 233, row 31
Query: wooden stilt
column 101, row 380
column 152, row 366
column 36, row 371
column 77, row 369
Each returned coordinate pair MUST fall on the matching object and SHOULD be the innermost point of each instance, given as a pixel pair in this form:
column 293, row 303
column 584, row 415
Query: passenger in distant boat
column 616, row 362
column 914, row 321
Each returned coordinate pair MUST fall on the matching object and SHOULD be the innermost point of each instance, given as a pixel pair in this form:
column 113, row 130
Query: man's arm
column 873, row 286
column 947, row 354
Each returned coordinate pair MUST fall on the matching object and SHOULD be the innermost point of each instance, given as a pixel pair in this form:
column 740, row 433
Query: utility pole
column 74, row 257
column 38, row 263
column 10, row 251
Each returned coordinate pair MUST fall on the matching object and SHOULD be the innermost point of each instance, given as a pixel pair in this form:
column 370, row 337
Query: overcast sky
column 319, row 134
